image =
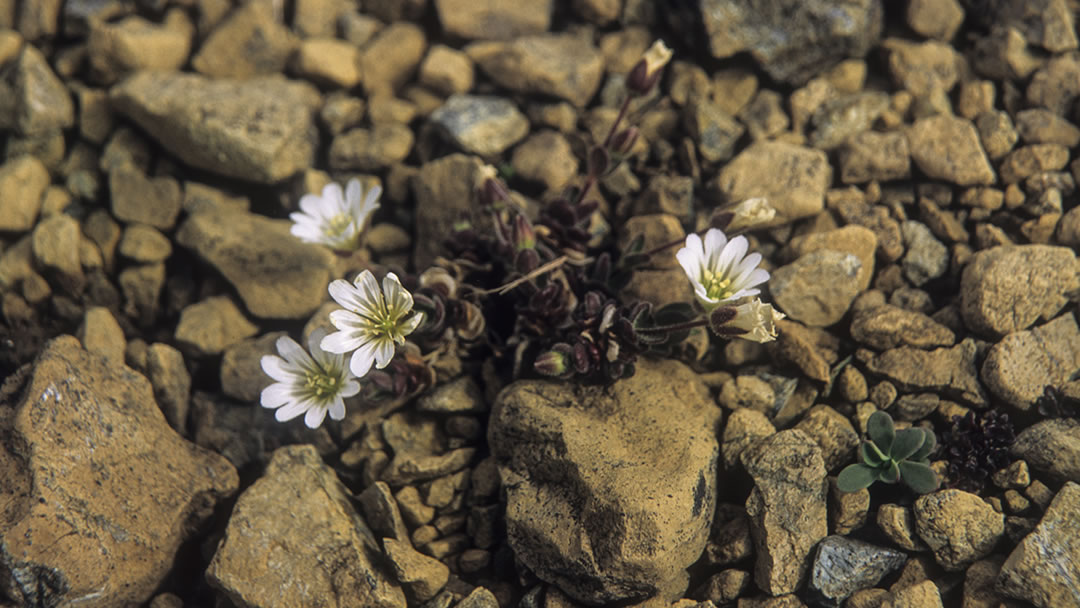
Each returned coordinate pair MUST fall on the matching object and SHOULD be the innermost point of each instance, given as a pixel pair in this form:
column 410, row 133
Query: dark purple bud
column 623, row 141
column 527, row 261
column 581, row 358
column 721, row 219
column 523, row 235
column 598, row 161
column 720, row 317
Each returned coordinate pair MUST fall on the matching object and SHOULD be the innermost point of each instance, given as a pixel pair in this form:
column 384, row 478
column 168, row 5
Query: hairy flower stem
column 661, row 329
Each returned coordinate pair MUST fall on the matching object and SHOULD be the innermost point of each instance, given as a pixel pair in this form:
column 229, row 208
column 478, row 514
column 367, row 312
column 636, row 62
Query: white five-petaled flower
column 757, row 319
column 335, row 218
column 373, row 322
column 719, row 269
column 313, row 385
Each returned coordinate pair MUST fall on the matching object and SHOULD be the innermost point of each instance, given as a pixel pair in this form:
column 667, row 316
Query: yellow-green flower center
column 338, row 225
column 716, row 286
column 323, row 385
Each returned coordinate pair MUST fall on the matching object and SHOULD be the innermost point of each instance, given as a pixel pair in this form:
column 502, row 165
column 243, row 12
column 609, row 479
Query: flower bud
column 555, row 362
column 522, row 233
column 644, row 76
column 599, row 159
column 490, row 189
column 623, row 141
column 750, row 213
column 754, row 321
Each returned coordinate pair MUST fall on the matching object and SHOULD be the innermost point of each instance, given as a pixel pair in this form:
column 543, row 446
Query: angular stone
column 210, row 326
column 328, row 61
column 375, row 149
column 560, row 65
column 494, row 19
column 421, row 575
column 1044, row 568
column 793, row 178
column 1045, row 23
column 937, row 19
column 873, row 156
column 922, row 67
column 134, row 43
column 100, row 493
column 1056, row 85
column 23, row 181
column 446, row 70
column 381, row 512
column 833, row 433
column 616, row 461
column 144, row 244
column 259, row 130
column 391, row 58
column 51, row 244
column 948, row 148
column 926, row 258
column 793, row 40
column 843, row 565
column 1041, row 126
column 786, row 508
column 1052, row 448
column 317, row 550
column 444, row 189
column 276, row 275
column 171, row 381
column 546, row 157
column 1006, row 288
column 715, row 131
column 856, row 240
column 481, row 125
column 1019, row 366
column 744, row 428
column 818, row 288
column 461, row 396
column 249, row 43
column 421, row 451
column 154, row 201
column 1030, row 160
column 946, row 371
column 42, row 102
column 886, row 326
column 101, row 334
column 840, row 119
column 242, row 377
column 959, row 527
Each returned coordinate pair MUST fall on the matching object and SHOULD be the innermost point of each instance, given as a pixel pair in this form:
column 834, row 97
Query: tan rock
column 560, row 65
column 23, row 181
column 1025, row 574
column 793, row 178
column 959, row 527
column 248, row 43
column 212, row 325
column 328, row 61
column 133, row 43
column 391, row 58
column 446, row 70
column 946, row 147
column 494, row 19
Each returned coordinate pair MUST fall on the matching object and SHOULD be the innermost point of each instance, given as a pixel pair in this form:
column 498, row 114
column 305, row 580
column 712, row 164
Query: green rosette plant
column 891, row 456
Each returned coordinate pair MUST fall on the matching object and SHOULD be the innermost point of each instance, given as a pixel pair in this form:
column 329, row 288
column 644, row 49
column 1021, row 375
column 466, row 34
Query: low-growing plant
column 976, row 447
column 889, row 455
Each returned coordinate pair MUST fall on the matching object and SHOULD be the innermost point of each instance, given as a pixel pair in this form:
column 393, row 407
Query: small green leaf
column 881, row 431
column 906, row 443
column 889, row 474
column 855, row 477
column 919, row 477
column 928, row 446
column 871, row 455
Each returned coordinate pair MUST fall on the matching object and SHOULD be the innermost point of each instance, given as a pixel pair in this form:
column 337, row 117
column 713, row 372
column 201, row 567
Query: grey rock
column 461, row 396
column 318, row 550
column 479, row 124
column 1051, row 448
column 715, row 131
column 561, row 65
column 584, row 469
column 260, row 130
column 242, row 376
column 276, row 275
column 947, row 371
column 1019, row 366
column 88, row 459
column 874, row 156
column 927, row 258
column 844, row 565
column 1006, row 288
column 444, row 189
column 818, row 288
column 840, row 119
column 791, row 40
column 786, row 508
column 1044, row 568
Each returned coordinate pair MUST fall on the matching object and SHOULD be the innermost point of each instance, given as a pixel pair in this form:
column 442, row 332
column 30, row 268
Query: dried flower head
column 750, row 213
column 314, row 384
column 753, row 320
column 646, row 73
column 335, row 218
column 373, row 322
column 719, row 269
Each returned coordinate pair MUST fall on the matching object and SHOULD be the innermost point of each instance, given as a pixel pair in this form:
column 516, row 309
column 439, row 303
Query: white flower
column 373, row 321
column 315, row 383
column 751, row 212
column 757, row 319
column 720, row 270
column 334, row 219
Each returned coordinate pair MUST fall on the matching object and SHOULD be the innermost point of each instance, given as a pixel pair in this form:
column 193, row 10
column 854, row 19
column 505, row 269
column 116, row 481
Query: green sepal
column 919, row 477
column 881, row 430
column 906, row 443
column 856, row 477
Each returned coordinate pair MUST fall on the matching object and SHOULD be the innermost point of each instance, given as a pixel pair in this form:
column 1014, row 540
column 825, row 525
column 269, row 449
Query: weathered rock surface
column 1006, row 288
column 560, row 65
column 792, row 40
column 610, row 492
column 793, row 178
column 99, row 492
column 420, row 450
column 1019, row 366
column 480, row 124
column 887, row 326
column 494, row 19
column 1044, row 568
column 786, row 508
column 276, row 275
column 444, row 189
column 315, row 549
column 1051, row 447
column 947, row 148
column 844, row 565
column 959, row 527
column 818, row 288
column 946, row 371
column 23, row 181
column 260, row 130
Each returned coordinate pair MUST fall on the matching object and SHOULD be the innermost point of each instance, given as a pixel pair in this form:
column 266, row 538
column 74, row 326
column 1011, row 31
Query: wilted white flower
column 335, row 219
column 719, row 269
column 751, row 212
column 757, row 319
column 373, row 321
column 313, row 385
